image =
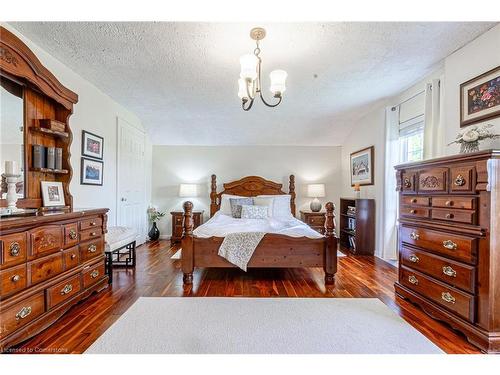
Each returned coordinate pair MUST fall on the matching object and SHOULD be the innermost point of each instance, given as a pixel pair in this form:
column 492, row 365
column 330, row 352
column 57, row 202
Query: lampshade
column 242, row 89
column 316, row 190
column 248, row 66
column 278, row 78
column 188, row 190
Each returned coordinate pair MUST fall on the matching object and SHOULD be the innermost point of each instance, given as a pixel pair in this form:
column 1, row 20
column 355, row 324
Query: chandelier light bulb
column 242, row 89
column 278, row 79
column 248, row 66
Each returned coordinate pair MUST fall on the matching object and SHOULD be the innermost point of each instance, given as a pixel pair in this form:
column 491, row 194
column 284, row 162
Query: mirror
column 11, row 132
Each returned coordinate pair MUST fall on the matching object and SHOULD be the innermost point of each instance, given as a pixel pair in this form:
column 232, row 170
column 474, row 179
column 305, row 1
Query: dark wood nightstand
column 316, row 220
column 177, row 220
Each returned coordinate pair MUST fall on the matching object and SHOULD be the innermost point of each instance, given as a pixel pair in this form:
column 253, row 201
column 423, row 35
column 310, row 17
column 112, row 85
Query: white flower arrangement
column 469, row 138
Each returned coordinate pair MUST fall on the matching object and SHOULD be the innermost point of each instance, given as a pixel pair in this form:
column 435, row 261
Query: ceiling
column 180, row 79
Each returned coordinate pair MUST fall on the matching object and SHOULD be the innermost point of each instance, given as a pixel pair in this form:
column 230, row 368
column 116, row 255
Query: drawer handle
column 460, row 180
column 414, row 235
column 406, row 182
column 16, row 278
column 67, row 289
column 448, row 271
column 414, row 200
column 15, row 249
column 413, row 212
column 450, row 216
column 23, row 313
column 72, row 234
column 448, row 203
column 450, row 245
column 93, row 223
column 93, row 234
column 94, row 274
column 447, row 297
column 73, row 256
column 413, row 258
column 412, row 279
column 92, row 248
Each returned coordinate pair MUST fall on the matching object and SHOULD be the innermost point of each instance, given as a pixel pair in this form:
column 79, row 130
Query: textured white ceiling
column 181, row 78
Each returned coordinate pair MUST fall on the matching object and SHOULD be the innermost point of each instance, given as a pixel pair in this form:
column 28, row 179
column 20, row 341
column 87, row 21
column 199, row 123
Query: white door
column 131, row 179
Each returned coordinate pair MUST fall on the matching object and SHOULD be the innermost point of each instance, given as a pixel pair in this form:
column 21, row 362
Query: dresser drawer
column 90, row 234
column 458, row 216
column 315, row 221
column 21, row 313
column 415, row 201
column 408, row 182
column 456, row 274
column 450, row 298
column 71, row 257
column 45, row 268
column 93, row 274
column 433, row 180
column 91, row 249
column 12, row 249
column 466, row 203
column 12, row 280
column 90, row 223
column 70, row 234
column 63, row 291
column 46, row 240
column 414, row 211
column 463, row 179
column 457, row 247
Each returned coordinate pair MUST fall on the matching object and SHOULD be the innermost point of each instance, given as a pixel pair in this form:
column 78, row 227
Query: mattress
column 220, row 225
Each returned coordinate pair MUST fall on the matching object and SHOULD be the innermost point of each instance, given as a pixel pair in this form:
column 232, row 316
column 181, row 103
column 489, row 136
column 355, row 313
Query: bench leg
column 109, row 266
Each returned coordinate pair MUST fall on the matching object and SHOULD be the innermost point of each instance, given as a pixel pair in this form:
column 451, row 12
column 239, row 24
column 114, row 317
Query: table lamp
column 315, row 191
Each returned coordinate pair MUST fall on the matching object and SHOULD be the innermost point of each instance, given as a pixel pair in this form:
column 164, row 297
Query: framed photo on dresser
column 92, row 145
column 91, row 172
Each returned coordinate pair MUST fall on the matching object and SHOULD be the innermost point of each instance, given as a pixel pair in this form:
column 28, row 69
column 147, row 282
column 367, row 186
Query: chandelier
column 250, row 83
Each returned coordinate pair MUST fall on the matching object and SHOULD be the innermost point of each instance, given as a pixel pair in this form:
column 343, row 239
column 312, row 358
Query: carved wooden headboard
column 250, row 186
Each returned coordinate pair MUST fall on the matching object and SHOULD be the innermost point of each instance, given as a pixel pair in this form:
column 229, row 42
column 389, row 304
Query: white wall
column 95, row 112
column 173, row 165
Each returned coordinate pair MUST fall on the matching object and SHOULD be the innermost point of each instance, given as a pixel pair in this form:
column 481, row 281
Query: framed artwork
column 52, row 194
column 362, row 166
column 92, row 145
column 480, row 98
column 91, row 172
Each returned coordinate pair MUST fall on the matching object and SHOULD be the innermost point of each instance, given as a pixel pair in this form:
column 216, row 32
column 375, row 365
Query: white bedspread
column 220, row 225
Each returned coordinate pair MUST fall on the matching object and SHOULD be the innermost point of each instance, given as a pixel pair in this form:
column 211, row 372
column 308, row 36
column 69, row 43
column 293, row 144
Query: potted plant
column 469, row 139
column 154, row 216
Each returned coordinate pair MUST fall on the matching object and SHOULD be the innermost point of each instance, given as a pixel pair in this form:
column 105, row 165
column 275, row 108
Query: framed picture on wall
column 480, row 98
column 92, row 145
column 52, row 194
column 91, row 172
column 361, row 165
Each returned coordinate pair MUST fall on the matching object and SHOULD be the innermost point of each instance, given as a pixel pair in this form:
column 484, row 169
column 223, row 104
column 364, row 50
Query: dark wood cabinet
column 316, row 220
column 177, row 224
column 449, row 245
column 357, row 227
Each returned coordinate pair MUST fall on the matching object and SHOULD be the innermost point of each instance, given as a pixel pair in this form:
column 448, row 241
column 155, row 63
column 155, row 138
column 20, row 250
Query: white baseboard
column 165, row 236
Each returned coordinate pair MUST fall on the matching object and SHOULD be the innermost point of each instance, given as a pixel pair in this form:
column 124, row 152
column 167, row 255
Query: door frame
column 120, row 124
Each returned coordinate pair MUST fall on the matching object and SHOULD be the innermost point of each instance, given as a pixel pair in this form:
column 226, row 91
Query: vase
column 154, row 233
column 468, row 147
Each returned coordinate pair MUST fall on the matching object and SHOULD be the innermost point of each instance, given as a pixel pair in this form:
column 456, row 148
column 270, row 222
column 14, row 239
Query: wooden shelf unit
column 364, row 236
column 51, row 132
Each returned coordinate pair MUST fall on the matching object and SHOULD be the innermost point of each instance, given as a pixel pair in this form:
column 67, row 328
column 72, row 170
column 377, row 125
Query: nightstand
column 177, row 220
column 316, row 220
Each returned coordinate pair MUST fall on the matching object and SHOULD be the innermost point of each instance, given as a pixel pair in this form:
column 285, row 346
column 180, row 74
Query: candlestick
column 11, row 190
column 11, row 168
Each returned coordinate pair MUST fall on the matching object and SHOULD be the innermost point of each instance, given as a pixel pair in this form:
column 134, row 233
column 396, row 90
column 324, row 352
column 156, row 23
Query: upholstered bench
column 120, row 242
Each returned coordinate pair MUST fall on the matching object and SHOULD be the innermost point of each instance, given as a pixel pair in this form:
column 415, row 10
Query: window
column 411, row 142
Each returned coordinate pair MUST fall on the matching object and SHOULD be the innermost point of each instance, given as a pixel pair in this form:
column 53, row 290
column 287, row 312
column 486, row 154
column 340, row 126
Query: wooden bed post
column 187, row 244
column 213, row 196
column 330, row 265
column 291, row 190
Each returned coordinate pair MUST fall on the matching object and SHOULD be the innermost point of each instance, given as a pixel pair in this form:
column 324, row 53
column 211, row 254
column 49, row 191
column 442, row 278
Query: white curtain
column 434, row 126
column 390, row 233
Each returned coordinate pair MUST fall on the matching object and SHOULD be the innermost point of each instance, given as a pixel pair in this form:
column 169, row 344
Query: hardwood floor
column 157, row 275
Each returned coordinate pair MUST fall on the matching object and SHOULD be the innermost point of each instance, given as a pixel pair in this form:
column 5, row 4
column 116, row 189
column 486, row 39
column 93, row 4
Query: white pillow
column 265, row 201
column 225, row 203
column 281, row 206
column 254, row 212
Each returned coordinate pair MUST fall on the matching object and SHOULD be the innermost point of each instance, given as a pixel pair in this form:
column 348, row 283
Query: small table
column 316, row 220
column 177, row 221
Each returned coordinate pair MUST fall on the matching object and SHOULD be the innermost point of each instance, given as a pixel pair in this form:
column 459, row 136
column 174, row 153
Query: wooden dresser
column 177, row 222
column 316, row 220
column 449, row 242
column 48, row 263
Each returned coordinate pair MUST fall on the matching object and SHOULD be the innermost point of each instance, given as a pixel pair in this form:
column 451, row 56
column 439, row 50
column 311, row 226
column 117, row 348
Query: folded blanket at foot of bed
column 238, row 248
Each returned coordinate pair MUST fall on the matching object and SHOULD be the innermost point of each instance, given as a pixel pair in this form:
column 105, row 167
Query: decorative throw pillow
column 225, row 204
column 254, row 212
column 281, row 206
column 265, row 201
column 236, row 204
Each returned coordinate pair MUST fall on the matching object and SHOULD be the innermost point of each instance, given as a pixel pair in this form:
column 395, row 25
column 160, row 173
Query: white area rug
column 178, row 254
column 261, row 325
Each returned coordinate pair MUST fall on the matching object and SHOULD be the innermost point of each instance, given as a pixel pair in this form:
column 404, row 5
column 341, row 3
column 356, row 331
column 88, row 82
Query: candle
column 11, row 167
